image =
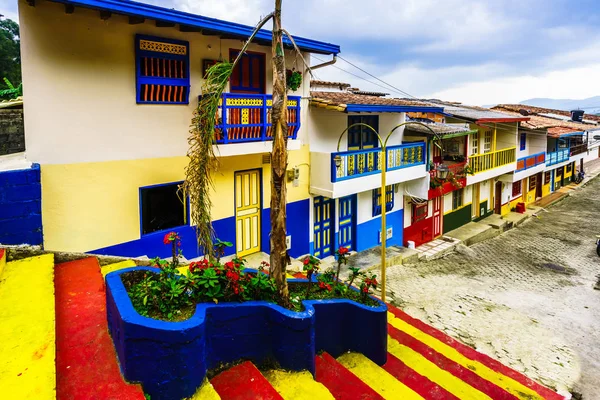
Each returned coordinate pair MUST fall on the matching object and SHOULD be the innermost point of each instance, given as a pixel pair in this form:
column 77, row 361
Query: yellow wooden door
column 247, row 212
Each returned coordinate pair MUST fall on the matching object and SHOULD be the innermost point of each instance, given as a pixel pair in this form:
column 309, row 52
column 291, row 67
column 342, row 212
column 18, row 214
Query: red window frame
column 419, row 212
column 517, row 188
column 249, row 75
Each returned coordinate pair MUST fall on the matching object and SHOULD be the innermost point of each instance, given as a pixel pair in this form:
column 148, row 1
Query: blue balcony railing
column 557, row 157
column 247, row 118
column 354, row 164
column 530, row 161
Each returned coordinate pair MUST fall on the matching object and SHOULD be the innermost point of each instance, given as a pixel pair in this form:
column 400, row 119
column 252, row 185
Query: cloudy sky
column 478, row 52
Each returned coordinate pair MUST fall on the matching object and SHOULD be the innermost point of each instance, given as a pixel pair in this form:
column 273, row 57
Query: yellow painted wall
column 93, row 205
column 545, row 190
column 530, row 197
column 568, row 174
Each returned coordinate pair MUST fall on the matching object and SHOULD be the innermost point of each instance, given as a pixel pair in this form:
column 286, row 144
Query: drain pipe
column 326, row 63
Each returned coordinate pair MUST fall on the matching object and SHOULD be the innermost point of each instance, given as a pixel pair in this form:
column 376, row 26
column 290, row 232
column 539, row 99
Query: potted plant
column 170, row 328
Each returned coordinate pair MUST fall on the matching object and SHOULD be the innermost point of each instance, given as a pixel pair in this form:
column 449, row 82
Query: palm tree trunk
column 279, row 160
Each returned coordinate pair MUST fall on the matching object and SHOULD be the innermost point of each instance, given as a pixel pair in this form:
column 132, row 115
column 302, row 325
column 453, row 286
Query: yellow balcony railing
column 494, row 159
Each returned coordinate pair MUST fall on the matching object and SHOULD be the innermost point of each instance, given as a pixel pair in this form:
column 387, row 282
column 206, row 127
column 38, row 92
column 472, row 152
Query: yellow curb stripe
column 27, row 335
column 116, row 266
column 377, row 378
column 429, row 370
column 297, row 385
column 206, row 392
column 510, row 385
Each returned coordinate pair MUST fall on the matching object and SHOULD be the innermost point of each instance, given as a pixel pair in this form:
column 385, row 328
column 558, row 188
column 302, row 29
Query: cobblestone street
column 526, row 297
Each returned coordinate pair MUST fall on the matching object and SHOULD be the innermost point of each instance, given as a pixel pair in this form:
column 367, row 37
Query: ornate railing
column 247, row 118
column 557, row 157
column 353, row 164
column 457, row 169
column 493, row 159
column 530, row 161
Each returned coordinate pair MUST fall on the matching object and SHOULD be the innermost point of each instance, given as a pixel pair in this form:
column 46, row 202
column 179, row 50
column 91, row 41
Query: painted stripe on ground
column 455, row 369
column 508, row 384
column 475, row 355
column 297, row 385
column 244, row 382
column 117, row 266
column 86, row 361
column 416, row 382
column 27, row 338
column 206, row 392
column 377, row 378
column 429, row 370
column 340, row 382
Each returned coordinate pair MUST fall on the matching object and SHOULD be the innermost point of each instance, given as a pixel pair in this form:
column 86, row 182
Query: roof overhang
column 494, row 120
column 205, row 24
column 380, row 108
column 563, row 135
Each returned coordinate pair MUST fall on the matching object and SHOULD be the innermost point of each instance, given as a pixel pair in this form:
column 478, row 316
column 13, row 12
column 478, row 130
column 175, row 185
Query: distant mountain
column 590, row 105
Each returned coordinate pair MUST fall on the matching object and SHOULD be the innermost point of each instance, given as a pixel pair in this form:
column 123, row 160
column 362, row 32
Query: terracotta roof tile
column 555, row 127
column 541, row 110
column 327, row 83
column 344, row 98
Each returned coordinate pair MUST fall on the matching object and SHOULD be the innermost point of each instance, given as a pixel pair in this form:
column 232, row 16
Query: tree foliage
column 10, row 52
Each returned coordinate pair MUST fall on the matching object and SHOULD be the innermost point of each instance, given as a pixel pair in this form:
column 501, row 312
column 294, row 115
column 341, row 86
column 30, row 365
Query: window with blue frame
column 161, row 208
column 249, row 75
column 389, row 200
column 523, row 141
column 162, row 70
column 361, row 137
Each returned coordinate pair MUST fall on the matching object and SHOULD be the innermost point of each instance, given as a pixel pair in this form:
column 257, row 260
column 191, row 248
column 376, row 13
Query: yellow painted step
column 206, row 392
column 426, row 368
column 116, row 266
column 377, row 378
column 297, row 385
column 27, row 338
column 510, row 385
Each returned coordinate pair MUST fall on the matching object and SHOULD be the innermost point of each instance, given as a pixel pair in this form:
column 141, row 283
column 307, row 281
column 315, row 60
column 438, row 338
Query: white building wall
column 86, row 65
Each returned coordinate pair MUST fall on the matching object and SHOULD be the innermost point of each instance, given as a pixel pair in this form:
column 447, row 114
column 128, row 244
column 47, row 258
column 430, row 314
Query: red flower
column 229, row 265
column 365, row 289
column 306, row 261
column 171, row 237
column 343, row 250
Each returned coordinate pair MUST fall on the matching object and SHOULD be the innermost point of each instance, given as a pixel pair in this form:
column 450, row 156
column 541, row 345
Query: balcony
column 557, row 157
column 530, row 161
column 489, row 165
column 358, row 171
column 247, row 118
column 456, row 178
column 578, row 149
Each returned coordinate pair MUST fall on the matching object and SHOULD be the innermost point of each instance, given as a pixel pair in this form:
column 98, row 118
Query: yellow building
column 111, row 90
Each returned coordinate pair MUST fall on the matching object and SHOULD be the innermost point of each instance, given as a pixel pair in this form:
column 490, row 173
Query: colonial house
column 111, row 89
column 346, row 160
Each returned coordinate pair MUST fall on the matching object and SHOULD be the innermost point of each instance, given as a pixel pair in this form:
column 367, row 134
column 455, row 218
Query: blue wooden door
column 347, row 221
column 323, row 226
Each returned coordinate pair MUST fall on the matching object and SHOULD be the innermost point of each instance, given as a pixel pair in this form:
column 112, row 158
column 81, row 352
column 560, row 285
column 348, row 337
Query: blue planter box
column 170, row 359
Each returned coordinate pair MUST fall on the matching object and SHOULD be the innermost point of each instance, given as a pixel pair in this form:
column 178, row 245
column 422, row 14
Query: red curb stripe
column 340, row 382
column 444, row 363
column 475, row 355
column 418, row 383
column 244, row 382
column 86, row 362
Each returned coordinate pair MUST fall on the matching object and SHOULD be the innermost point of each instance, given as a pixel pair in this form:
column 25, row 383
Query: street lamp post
column 338, row 162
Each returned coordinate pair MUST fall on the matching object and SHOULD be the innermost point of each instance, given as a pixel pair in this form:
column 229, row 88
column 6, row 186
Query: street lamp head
column 442, row 171
column 337, row 160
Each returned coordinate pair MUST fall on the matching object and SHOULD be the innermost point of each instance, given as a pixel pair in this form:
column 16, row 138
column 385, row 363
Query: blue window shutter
column 523, row 141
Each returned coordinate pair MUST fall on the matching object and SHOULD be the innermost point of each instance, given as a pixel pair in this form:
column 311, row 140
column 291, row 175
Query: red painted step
column 475, row 355
column 342, row 384
column 86, row 362
column 244, row 382
column 444, row 363
column 418, row 383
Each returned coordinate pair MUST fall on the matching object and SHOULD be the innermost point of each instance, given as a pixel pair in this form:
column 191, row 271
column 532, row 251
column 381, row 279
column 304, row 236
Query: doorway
column 323, row 226
column 538, row 185
column 437, row 216
column 498, row 198
column 247, row 212
column 475, row 211
column 347, row 221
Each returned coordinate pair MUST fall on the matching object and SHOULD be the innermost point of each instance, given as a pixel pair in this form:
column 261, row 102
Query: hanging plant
column 294, row 79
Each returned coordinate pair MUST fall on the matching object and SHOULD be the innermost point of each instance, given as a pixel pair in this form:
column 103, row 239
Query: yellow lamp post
column 338, row 162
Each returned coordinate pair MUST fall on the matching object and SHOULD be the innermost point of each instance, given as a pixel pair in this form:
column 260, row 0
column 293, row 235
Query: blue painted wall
column 367, row 233
column 21, row 206
column 152, row 244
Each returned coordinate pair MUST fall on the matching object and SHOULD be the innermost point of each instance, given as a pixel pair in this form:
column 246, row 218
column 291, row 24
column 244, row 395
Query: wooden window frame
column 457, row 199
column 363, row 133
column 532, row 182
column 144, row 82
column 523, row 141
column 487, row 140
column 262, row 75
column 547, row 177
column 416, row 207
column 517, row 185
